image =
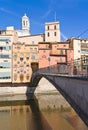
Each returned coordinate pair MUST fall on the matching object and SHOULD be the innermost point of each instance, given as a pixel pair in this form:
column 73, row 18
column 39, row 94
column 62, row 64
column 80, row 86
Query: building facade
column 7, row 37
column 80, row 57
column 22, row 53
column 21, row 67
column 51, row 53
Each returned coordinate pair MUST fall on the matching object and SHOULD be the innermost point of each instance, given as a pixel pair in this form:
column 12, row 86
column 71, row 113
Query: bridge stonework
column 75, row 91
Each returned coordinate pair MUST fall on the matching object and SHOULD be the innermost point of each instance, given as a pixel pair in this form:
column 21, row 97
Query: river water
column 41, row 112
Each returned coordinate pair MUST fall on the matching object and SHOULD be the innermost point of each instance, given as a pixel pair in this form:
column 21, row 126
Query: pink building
column 51, row 53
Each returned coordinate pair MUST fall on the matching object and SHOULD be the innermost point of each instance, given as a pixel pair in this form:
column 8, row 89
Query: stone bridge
column 73, row 88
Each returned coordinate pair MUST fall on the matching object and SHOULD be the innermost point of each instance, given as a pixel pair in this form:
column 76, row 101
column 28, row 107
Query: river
column 41, row 112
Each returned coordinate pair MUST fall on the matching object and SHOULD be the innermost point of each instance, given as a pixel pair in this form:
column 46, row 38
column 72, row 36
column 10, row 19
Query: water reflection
column 42, row 112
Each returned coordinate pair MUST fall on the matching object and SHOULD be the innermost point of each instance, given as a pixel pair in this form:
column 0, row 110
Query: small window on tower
column 55, row 33
column 48, row 27
column 24, row 23
column 48, row 34
column 55, row 27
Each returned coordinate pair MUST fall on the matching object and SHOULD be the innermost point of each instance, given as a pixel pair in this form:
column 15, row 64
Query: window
column 15, row 57
column 48, row 34
column 5, row 64
column 47, row 46
column 7, row 42
column 48, row 27
column 18, row 62
column 27, row 56
column 15, row 67
column 24, row 72
column 18, row 47
column 55, row 33
column 31, row 49
column 5, row 75
column 27, row 77
column 34, row 56
column 33, row 42
column 21, row 57
column 61, row 52
column 21, row 77
column 7, row 48
column 5, row 56
column 27, row 67
column 24, row 23
column 55, row 27
column 15, row 76
column 35, row 49
column 1, row 48
column 21, row 68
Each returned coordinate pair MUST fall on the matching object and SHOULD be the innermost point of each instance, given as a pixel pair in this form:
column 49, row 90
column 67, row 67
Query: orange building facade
column 51, row 53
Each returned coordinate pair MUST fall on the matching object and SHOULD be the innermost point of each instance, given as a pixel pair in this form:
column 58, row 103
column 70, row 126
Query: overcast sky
column 72, row 15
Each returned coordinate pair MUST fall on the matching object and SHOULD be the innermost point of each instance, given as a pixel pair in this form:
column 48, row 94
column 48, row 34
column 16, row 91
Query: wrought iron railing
column 78, row 67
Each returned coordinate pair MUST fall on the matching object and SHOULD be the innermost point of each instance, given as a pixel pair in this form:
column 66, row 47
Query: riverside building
column 7, row 37
column 22, row 53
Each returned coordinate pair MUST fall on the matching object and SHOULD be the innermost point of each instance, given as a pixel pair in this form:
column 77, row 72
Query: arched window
column 21, row 68
column 55, row 33
column 27, row 67
column 15, row 76
column 21, row 57
column 27, row 76
column 15, row 67
column 48, row 34
column 15, row 56
column 48, row 27
column 21, row 77
column 24, row 23
column 55, row 27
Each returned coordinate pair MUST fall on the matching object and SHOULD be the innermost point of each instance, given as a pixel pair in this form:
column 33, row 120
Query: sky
column 72, row 15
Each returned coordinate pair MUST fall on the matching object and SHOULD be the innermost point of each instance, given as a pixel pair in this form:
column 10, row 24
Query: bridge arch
column 73, row 89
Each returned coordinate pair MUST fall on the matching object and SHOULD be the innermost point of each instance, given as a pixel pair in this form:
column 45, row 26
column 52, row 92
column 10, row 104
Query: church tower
column 26, row 24
column 52, row 32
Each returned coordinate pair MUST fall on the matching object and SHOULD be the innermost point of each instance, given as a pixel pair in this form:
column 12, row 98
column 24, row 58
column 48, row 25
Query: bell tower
column 52, row 32
column 26, row 23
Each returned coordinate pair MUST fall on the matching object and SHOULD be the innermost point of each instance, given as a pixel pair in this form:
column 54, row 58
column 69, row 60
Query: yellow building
column 21, row 70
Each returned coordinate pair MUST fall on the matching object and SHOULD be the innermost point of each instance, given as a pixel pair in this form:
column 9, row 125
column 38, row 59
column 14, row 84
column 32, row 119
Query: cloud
column 51, row 5
column 63, row 36
column 46, row 14
column 7, row 11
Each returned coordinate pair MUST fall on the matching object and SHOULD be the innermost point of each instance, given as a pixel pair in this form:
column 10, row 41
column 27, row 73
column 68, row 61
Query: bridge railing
column 77, row 67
